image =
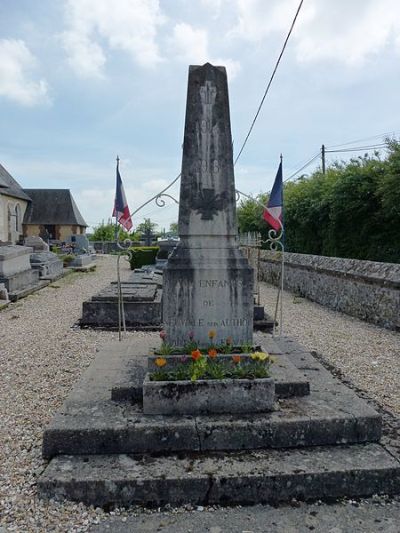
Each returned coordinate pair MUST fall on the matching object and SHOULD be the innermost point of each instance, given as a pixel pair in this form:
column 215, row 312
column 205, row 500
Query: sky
column 82, row 81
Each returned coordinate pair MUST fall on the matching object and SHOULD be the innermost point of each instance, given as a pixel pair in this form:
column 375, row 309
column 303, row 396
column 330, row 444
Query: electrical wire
column 269, row 83
column 303, row 167
column 380, row 135
column 357, row 148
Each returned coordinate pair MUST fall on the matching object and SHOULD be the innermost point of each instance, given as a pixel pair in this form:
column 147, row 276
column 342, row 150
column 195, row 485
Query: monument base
column 208, row 289
column 321, row 445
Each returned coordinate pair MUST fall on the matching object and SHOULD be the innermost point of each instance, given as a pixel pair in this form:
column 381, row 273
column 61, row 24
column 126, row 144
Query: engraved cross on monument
column 208, row 284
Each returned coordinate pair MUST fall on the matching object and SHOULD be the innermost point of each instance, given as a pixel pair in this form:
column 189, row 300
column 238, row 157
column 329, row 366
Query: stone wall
column 365, row 289
column 10, row 224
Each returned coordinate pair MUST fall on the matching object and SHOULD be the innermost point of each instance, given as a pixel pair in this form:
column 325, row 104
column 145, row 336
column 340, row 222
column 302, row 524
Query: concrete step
column 289, row 381
column 265, row 476
column 90, row 422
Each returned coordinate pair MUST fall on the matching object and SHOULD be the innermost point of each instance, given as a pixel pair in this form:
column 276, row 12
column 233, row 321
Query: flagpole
column 118, row 271
column 282, row 266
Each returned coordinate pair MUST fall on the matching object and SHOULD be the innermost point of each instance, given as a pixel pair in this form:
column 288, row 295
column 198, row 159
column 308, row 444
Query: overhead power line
column 358, row 148
column 269, row 83
column 303, row 167
column 378, row 136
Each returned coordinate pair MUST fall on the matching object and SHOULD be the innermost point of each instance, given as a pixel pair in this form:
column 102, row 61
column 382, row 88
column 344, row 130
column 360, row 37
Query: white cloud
column 336, row 30
column 127, row 25
column 190, row 45
column 350, row 32
column 16, row 66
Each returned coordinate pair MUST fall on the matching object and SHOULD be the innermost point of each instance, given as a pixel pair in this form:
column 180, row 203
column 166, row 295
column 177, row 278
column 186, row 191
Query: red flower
column 196, row 354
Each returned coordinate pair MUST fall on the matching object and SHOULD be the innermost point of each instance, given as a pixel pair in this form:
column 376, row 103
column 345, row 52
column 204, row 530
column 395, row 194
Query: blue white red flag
column 273, row 213
column 121, row 209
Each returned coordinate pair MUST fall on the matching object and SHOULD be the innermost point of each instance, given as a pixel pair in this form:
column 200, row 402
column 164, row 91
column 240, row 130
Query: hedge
column 142, row 255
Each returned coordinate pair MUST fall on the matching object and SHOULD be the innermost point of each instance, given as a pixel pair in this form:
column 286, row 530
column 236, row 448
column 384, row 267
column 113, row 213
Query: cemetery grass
column 42, row 355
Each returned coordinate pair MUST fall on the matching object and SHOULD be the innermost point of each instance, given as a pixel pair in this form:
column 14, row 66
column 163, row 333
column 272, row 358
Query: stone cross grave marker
column 208, row 283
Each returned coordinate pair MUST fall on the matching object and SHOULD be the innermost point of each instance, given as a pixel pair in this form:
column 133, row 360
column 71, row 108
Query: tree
column 106, row 232
column 173, row 228
column 353, row 210
column 146, row 226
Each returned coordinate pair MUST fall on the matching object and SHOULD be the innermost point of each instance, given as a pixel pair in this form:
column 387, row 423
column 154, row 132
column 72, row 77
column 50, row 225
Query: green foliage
column 352, row 211
column 147, row 225
column 173, row 228
column 142, row 255
column 67, row 259
column 214, row 368
column 106, row 232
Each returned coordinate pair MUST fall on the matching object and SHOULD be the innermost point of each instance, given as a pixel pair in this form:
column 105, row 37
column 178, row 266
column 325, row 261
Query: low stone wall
column 365, row 289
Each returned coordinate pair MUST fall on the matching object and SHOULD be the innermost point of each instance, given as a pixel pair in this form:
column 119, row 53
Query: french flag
column 121, row 209
column 273, row 213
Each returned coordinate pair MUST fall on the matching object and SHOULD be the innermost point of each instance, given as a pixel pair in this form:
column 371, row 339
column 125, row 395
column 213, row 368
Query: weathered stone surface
column 331, row 414
column 16, row 283
column 287, row 378
column 208, row 284
column 131, row 292
column 365, row 289
column 3, row 294
column 142, row 306
column 37, row 243
column 233, row 396
column 47, row 264
column 268, row 476
column 14, row 259
column 82, row 260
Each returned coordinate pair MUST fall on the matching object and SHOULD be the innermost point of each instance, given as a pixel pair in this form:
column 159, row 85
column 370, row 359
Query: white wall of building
column 12, row 212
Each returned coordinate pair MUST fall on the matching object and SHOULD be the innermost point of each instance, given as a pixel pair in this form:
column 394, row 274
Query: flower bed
column 214, row 379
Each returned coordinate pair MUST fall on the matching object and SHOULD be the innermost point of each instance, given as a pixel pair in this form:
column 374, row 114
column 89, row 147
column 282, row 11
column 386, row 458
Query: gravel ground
column 42, row 355
column 369, row 356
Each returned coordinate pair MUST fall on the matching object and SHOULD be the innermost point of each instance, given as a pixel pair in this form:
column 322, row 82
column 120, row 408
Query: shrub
column 142, row 255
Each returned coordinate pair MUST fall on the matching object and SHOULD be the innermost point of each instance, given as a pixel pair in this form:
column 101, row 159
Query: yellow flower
column 212, row 333
column 259, row 356
column 160, row 362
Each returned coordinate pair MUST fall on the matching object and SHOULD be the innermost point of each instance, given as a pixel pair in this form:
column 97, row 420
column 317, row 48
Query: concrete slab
column 331, row 414
column 268, row 476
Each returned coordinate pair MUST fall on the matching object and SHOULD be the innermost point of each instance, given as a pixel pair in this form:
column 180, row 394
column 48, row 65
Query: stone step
column 265, row 476
column 122, row 428
column 90, row 422
column 289, row 381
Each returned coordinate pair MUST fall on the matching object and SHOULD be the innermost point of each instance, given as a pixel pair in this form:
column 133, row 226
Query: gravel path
column 42, row 356
column 367, row 355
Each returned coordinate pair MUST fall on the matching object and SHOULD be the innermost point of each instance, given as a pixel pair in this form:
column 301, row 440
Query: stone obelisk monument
column 208, row 284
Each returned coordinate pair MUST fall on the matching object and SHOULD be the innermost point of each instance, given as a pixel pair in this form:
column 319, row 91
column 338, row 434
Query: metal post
column 323, row 158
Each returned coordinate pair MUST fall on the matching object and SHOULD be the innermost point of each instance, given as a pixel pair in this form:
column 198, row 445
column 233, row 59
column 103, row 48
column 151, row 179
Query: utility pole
column 323, row 158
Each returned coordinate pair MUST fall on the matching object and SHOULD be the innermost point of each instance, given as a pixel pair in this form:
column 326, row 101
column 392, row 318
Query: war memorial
column 123, row 438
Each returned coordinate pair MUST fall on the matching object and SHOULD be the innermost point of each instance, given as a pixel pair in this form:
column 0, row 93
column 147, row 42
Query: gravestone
column 47, row 264
column 80, row 244
column 15, row 270
column 37, row 243
column 208, row 283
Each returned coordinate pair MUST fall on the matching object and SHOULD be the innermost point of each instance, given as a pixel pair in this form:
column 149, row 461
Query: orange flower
column 211, row 334
column 160, row 362
column 236, row 359
column 212, row 353
column 196, row 354
column 229, row 340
